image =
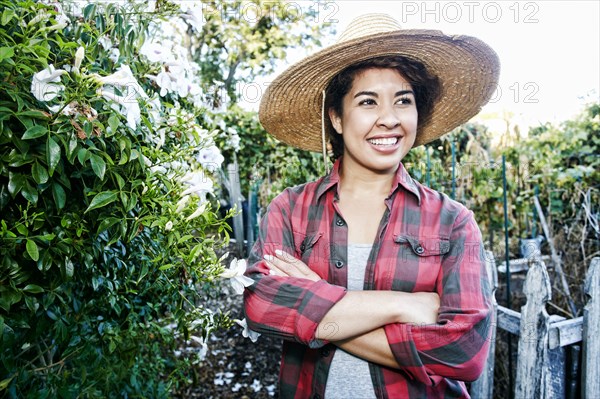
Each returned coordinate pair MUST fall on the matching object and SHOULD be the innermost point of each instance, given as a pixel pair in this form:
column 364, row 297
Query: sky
column 549, row 50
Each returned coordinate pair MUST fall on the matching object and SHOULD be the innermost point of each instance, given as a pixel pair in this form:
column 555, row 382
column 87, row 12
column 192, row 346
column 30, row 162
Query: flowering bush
column 108, row 230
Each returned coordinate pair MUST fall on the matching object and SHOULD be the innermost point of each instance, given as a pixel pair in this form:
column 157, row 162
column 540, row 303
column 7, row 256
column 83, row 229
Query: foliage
column 242, row 39
column 108, row 241
column 265, row 161
column 559, row 164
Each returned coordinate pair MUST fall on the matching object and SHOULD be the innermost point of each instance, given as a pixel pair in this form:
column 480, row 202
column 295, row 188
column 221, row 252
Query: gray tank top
column 349, row 376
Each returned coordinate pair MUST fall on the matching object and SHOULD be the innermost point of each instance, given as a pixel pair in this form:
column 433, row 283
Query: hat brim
column 467, row 68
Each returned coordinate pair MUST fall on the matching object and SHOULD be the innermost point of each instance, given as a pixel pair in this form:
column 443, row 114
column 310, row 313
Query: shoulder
column 302, row 194
column 450, row 211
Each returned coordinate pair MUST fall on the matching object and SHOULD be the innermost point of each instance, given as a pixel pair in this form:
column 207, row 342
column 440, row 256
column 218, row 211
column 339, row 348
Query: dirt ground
column 236, row 367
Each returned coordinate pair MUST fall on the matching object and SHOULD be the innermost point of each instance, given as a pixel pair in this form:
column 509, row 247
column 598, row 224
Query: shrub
column 108, row 234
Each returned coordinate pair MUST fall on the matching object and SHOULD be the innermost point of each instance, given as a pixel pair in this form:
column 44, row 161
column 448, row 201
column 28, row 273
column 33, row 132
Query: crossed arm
column 356, row 322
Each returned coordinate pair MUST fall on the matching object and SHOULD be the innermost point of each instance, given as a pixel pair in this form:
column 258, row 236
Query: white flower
column 163, row 80
column 57, row 26
column 193, row 16
column 203, row 349
column 114, row 55
column 210, row 158
column 123, row 78
column 169, row 226
column 197, row 212
column 42, row 15
column 78, row 58
column 127, row 106
column 182, row 203
column 155, row 52
column 236, row 277
column 234, row 139
column 45, row 84
column 199, row 183
column 247, row 333
column 153, row 107
column 105, row 42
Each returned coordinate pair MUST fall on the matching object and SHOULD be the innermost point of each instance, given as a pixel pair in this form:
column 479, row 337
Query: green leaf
column 16, row 182
column 7, row 15
column 113, row 123
column 59, row 195
column 68, row 267
column 29, row 193
column 102, row 199
column 34, row 132
column 34, row 113
column 98, row 165
column 22, row 230
column 124, row 198
column 72, row 146
column 120, row 180
column 52, row 155
column 47, row 237
column 52, row 315
column 83, row 155
column 107, row 223
column 33, row 289
column 6, row 52
column 39, row 173
column 5, row 382
column 32, row 250
column 89, row 11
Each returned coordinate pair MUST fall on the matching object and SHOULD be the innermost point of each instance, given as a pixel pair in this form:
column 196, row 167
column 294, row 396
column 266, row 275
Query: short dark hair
column 425, row 85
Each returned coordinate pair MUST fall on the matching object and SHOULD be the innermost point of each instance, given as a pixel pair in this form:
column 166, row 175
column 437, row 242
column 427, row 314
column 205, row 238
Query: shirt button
column 303, row 247
column 419, row 249
column 339, row 264
column 339, row 222
column 325, row 352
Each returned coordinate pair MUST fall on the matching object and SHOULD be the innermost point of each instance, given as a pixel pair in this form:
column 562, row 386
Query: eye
column 367, row 101
column 405, row 101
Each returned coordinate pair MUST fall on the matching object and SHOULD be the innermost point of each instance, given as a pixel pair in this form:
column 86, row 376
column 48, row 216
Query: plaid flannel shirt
column 426, row 242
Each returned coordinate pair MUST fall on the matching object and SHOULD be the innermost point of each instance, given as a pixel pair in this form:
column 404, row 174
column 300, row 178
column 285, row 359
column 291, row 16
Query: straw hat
column 467, row 68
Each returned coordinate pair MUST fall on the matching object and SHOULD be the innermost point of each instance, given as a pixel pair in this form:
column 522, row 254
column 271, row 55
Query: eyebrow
column 372, row 93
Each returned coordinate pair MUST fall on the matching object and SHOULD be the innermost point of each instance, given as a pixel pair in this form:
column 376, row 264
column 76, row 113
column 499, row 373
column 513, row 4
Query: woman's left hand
column 284, row 264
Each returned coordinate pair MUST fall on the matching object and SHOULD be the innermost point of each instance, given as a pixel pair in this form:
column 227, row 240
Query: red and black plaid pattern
column 426, row 243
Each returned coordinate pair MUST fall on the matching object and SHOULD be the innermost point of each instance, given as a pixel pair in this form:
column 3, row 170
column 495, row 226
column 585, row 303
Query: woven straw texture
column 467, row 68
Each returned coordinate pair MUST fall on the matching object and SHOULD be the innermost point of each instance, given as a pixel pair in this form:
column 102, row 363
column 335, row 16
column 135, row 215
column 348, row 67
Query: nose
column 388, row 117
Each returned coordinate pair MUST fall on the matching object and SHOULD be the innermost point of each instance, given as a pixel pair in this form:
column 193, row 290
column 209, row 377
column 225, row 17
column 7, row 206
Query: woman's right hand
column 419, row 307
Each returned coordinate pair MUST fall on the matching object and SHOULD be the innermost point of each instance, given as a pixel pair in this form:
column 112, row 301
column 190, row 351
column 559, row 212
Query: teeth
column 385, row 141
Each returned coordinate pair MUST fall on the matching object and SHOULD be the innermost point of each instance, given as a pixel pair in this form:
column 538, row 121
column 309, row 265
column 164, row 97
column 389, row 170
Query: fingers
column 282, row 266
column 274, row 270
column 285, row 264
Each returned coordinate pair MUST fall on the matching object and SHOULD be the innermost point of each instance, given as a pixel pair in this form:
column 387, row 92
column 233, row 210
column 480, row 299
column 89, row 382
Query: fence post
column 533, row 333
column 483, row 387
column 236, row 203
column 591, row 330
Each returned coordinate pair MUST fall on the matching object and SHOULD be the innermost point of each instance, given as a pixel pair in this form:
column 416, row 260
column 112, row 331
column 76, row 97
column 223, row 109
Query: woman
column 376, row 283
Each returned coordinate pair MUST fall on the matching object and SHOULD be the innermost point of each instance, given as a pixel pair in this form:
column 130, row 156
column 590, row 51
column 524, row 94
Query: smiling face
column 378, row 121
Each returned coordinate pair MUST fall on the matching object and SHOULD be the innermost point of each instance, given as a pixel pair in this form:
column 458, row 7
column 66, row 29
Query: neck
column 359, row 182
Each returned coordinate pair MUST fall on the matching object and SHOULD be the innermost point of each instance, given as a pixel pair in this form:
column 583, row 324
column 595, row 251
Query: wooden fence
column 541, row 360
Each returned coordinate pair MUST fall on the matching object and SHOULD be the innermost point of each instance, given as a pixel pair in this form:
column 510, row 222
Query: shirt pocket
column 308, row 246
column 424, row 247
column 419, row 262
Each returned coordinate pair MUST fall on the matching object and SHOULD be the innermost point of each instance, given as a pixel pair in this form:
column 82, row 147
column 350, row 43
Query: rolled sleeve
column 284, row 307
column 457, row 346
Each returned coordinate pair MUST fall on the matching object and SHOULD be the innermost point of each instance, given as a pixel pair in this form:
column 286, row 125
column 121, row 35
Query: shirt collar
column 402, row 178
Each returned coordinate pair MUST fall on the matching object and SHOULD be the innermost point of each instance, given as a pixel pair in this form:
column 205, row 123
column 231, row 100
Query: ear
column 336, row 121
